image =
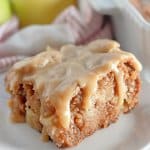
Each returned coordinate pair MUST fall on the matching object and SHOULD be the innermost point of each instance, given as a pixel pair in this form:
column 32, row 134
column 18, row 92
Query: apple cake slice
column 69, row 94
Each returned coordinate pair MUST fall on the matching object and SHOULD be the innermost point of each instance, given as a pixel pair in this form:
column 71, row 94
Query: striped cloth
column 84, row 24
column 8, row 28
column 7, row 62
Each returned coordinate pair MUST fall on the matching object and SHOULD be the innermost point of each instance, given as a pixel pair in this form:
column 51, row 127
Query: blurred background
column 27, row 27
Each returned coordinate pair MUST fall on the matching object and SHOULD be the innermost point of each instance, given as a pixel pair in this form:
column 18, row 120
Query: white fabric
column 35, row 38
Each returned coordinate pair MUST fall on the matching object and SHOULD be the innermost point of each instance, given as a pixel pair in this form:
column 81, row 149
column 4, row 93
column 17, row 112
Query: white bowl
column 131, row 29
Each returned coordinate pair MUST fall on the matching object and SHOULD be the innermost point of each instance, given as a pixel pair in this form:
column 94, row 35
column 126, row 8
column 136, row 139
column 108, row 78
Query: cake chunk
column 68, row 94
column 143, row 6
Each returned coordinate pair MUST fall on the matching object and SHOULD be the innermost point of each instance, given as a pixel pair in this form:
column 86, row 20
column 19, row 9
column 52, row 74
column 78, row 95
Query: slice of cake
column 69, row 94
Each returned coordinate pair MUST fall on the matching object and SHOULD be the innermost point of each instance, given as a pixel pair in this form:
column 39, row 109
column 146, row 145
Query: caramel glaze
column 56, row 74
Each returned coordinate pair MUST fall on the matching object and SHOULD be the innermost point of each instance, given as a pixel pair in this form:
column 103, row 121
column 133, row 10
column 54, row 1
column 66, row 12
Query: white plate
column 130, row 132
